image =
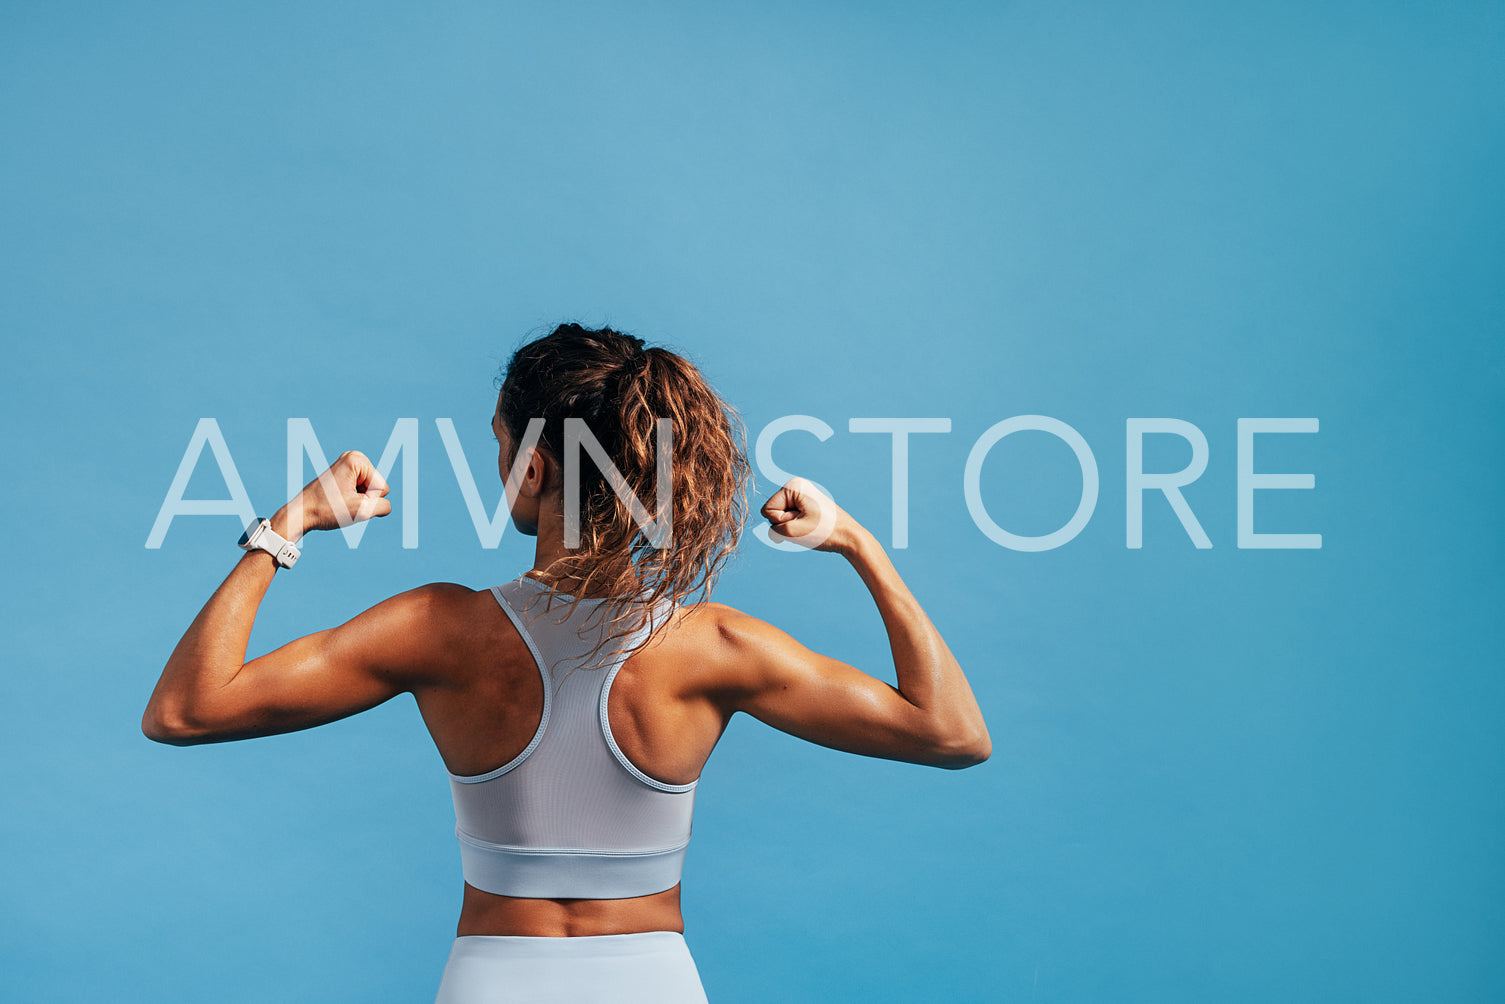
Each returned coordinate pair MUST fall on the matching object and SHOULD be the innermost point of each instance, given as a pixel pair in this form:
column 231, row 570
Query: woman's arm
column 930, row 718
column 209, row 693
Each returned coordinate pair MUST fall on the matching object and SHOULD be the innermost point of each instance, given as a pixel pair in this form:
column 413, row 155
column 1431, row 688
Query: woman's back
column 513, row 705
column 486, row 708
column 571, row 816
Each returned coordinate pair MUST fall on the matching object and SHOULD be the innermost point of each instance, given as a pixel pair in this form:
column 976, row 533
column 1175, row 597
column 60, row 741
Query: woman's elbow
column 962, row 748
column 173, row 730
column 971, row 754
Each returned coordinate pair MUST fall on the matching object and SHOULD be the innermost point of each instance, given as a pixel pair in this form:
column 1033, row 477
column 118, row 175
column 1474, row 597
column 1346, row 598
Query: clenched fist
column 801, row 514
column 351, row 490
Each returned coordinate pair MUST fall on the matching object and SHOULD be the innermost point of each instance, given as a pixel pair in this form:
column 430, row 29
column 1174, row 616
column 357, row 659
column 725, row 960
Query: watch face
column 245, row 538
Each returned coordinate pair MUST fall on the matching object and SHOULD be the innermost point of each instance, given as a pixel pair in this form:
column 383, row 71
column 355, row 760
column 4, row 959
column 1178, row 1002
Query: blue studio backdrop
column 1256, row 757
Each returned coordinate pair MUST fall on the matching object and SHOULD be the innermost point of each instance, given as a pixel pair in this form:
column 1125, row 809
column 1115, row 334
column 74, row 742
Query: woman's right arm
column 930, row 718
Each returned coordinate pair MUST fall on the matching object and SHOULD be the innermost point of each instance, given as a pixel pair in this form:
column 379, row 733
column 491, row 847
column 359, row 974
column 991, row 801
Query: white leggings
column 649, row 968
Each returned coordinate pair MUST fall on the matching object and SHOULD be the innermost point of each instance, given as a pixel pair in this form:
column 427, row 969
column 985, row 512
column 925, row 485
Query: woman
column 575, row 706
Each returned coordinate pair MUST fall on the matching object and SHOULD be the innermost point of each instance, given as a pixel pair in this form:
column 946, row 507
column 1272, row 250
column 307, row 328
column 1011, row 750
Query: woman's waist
column 488, row 914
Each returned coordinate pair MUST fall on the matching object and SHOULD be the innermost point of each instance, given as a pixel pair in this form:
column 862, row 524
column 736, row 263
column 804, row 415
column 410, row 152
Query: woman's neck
column 550, row 564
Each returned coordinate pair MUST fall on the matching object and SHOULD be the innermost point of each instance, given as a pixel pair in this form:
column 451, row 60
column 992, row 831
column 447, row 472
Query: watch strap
column 262, row 537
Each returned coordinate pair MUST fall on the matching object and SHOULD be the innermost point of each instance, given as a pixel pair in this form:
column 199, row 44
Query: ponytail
column 621, row 389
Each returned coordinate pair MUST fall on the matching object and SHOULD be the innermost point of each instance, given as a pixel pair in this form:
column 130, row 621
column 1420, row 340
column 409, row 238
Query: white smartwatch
column 261, row 537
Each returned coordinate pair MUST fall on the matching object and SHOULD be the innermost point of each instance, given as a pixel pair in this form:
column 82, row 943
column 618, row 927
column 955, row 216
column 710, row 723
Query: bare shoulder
column 435, row 604
column 438, row 595
column 742, row 634
column 717, row 629
column 430, row 625
column 455, row 615
column 724, row 649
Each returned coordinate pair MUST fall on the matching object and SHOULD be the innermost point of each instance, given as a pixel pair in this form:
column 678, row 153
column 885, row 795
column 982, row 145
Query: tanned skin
column 481, row 695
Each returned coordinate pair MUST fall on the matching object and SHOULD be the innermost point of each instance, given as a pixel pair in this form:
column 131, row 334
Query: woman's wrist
column 280, row 521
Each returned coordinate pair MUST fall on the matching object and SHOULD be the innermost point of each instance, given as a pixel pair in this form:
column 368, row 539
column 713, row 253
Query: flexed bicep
column 822, row 700
column 313, row 680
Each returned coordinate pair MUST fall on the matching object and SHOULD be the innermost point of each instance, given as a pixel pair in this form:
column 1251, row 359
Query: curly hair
column 622, row 389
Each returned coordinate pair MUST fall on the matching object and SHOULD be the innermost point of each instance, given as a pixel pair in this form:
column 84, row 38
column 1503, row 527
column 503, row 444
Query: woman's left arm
column 209, row 693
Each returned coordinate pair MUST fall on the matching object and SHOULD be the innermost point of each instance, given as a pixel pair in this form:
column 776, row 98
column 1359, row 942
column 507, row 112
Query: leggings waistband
column 596, row 945
column 651, row 967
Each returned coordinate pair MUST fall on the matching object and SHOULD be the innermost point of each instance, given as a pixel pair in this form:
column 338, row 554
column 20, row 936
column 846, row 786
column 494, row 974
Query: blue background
column 1218, row 774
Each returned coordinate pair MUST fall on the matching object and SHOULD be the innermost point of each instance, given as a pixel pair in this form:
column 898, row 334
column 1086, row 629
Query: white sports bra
column 570, row 816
